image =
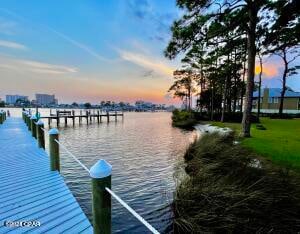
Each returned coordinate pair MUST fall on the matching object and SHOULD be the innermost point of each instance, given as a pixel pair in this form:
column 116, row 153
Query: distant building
column 45, row 99
column 270, row 101
column 144, row 106
column 12, row 99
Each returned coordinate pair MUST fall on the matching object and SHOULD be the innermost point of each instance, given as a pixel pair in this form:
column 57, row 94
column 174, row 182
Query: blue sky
column 91, row 50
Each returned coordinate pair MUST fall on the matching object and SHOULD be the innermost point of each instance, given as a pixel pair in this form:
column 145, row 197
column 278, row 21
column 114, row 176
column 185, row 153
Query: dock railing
column 100, row 173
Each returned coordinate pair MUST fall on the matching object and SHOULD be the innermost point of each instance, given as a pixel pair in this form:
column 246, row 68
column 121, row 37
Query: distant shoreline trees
column 220, row 41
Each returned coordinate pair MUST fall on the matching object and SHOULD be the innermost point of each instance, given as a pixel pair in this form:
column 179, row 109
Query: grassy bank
column 231, row 189
column 280, row 142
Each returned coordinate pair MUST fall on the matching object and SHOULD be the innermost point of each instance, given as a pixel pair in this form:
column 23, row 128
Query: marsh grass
column 230, row 189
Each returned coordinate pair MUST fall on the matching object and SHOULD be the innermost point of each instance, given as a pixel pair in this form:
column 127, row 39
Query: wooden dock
column 88, row 116
column 29, row 191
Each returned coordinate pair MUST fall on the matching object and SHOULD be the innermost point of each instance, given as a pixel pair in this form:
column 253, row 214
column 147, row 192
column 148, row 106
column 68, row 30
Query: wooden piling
column 57, row 117
column 107, row 115
column 29, row 122
column 40, row 134
column 73, row 118
column 1, row 117
column 32, row 124
column 54, row 150
column 101, row 179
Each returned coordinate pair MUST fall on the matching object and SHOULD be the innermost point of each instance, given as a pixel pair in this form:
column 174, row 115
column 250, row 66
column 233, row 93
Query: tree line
column 220, row 41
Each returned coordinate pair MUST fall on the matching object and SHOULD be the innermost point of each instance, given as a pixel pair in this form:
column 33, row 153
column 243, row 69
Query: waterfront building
column 12, row 99
column 45, row 99
column 270, row 101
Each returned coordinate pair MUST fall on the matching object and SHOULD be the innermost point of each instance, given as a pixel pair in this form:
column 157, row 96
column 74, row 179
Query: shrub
column 229, row 189
column 183, row 119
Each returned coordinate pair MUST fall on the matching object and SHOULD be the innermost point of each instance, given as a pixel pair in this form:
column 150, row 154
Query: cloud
column 146, row 62
column 7, row 27
column 140, row 8
column 26, row 66
column 59, row 34
column 80, row 45
column 159, row 23
column 148, row 73
column 271, row 69
column 12, row 45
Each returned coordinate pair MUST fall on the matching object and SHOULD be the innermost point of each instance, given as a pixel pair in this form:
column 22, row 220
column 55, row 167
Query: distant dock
column 30, row 191
column 88, row 115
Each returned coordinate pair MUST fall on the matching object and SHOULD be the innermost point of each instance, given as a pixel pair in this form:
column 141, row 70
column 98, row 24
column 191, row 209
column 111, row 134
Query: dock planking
column 30, row 191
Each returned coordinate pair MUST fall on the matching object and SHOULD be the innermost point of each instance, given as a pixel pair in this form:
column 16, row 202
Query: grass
column 230, row 189
column 280, row 142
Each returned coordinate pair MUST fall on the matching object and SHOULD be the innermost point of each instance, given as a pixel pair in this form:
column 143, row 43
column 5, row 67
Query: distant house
column 270, row 101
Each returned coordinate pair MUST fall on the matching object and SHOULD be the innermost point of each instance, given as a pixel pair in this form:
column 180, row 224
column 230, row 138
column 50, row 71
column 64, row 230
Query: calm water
column 143, row 150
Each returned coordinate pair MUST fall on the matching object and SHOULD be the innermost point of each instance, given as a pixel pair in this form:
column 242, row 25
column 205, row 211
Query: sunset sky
column 94, row 50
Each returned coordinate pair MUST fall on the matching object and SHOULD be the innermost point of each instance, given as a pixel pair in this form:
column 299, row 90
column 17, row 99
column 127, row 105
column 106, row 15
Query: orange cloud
column 270, row 70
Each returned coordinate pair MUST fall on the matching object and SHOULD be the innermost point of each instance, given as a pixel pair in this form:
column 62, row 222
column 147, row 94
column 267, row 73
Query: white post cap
column 53, row 131
column 100, row 169
column 40, row 122
column 33, row 117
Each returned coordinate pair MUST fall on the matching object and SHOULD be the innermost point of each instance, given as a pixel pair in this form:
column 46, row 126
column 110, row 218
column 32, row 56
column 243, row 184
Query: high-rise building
column 45, row 99
column 12, row 99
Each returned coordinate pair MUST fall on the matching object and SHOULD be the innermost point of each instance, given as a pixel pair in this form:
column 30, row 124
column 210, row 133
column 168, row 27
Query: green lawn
column 280, row 142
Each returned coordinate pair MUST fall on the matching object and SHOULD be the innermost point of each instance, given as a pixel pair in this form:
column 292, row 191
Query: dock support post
column 87, row 117
column 116, row 117
column 33, row 127
column 29, row 122
column 40, row 133
column 98, row 116
column 107, row 113
column 26, row 118
column 57, row 118
column 101, row 179
column 1, row 117
column 73, row 118
column 54, row 150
